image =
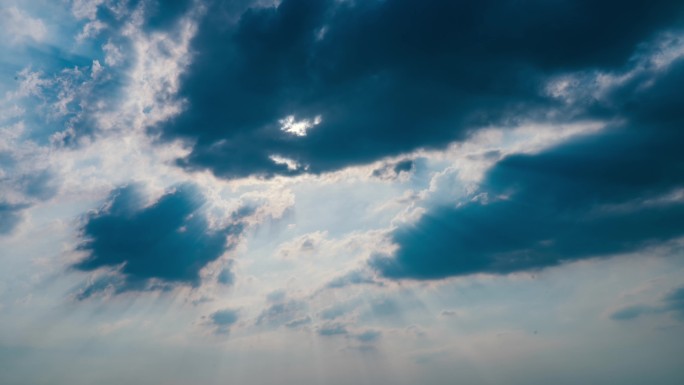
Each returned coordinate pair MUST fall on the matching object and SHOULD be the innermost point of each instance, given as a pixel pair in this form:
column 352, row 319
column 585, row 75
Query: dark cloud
column 224, row 319
column 593, row 196
column 385, row 77
column 404, row 165
column 166, row 243
column 156, row 15
column 163, row 14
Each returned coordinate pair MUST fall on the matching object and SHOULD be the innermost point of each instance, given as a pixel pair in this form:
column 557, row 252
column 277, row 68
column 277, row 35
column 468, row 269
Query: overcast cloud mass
column 341, row 192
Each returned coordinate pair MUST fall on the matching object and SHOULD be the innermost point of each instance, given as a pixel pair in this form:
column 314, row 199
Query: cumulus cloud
column 560, row 205
column 387, row 77
column 165, row 243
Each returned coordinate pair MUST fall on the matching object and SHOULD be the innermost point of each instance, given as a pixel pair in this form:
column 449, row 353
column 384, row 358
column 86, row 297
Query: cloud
column 336, row 311
column 164, row 14
column 359, row 340
column 597, row 195
column 224, row 319
column 105, row 285
column 392, row 171
column 354, row 277
column 281, row 313
column 276, row 296
column 672, row 302
column 18, row 26
column 23, row 182
column 385, row 77
column 385, row 308
column 66, row 104
column 299, row 322
column 38, row 185
column 368, row 336
column 226, row 277
column 122, row 73
column 632, row 312
column 167, row 242
column 331, row 330
column 10, row 216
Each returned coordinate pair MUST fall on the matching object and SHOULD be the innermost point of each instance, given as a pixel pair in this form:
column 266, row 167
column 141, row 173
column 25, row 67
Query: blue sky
column 337, row 192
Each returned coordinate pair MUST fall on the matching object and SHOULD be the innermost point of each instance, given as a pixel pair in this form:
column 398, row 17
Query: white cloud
column 86, row 9
column 113, row 54
column 291, row 164
column 91, row 30
column 589, row 86
column 298, row 127
column 18, row 26
column 159, row 59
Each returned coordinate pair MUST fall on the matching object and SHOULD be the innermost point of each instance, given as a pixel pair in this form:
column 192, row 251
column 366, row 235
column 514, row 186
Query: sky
column 341, row 192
